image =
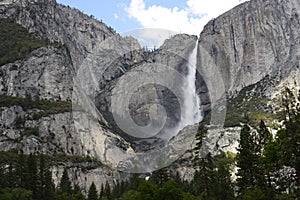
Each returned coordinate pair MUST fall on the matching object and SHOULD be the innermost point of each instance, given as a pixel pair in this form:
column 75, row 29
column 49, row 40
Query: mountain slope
column 253, row 40
column 252, row 50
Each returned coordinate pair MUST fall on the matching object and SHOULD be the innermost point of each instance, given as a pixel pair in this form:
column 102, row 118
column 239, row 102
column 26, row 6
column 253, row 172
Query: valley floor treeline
column 268, row 167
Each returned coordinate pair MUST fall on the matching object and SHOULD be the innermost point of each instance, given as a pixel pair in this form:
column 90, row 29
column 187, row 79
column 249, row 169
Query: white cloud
column 190, row 19
column 150, row 37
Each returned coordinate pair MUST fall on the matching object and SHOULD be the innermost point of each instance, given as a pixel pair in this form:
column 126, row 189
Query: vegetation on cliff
column 268, row 168
column 16, row 41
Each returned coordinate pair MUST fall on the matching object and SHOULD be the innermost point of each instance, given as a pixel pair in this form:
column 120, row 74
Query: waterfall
column 191, row 113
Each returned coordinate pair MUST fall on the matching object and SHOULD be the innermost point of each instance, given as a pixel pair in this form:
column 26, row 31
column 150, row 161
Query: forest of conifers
column 268, row 167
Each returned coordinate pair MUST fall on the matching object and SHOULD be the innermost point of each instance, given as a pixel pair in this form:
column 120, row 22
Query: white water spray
column 190, row 113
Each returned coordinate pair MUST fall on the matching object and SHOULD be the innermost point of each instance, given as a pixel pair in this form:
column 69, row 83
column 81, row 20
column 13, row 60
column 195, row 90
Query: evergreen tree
column 246, row 160
column 203, row 162
column 289, row 135
column 263, row 137
column 21, row 170
column 135, row 181
column 147, row 190
column 49, row 187
column 160, row 176
column 169, row 191
column 2, row 175
column 204, row 179
column 15, row 194
column 107, row 191
column 65, row 183
column 198, row 150
column 76, row 189
column 269, row 162
column 102, row 192
column 10, row 177
column 223, row 188
column 32, row 176
column 92, row 194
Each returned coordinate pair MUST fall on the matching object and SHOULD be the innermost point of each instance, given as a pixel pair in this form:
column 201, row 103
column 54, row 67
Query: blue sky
column 180, row 16
column 115, row 14
column 105, row 10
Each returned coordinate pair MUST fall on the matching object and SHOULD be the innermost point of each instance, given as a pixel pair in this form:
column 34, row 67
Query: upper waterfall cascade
column 191, row 113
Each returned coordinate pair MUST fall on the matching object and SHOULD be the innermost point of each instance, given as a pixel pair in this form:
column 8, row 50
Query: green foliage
column 288, row 137
column 246, row 160
column 7, row 157
column 46, row 187
column 20, row 122
column 16, row 42
column 253, row 193
column 249, row 106
column 31, row 131
column 147, row 190
column 261, row 161
column 65, row 183
column 160, row 176
column 130, row 195
column 93, row 194
column 222, row 186
column 47, row 107
column 28, row 173
column 170, row 191
column 107, row 191
column 201, row 134
column 15, row 194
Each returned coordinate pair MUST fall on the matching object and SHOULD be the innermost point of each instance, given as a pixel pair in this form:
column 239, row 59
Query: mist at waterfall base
column 190, row 113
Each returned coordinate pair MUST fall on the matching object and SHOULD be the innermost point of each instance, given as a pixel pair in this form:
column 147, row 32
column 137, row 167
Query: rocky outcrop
column 49, row 73
column 58, row 23
column 46, row 73
column 95, row 68
column 255, row 39
column 151, row 81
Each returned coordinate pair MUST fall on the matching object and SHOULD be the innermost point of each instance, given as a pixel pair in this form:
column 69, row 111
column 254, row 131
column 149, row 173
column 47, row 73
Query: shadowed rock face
column 255, row 39
column 249, row 42
column 145, row 79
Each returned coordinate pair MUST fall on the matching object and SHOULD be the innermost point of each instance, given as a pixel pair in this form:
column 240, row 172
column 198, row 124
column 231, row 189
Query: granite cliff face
column 58, row 23
column 253, row 40
column 256, row 41
column 47, row 74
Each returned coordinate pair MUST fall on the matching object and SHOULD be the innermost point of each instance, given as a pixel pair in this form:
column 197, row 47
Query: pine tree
column 289, row 135
column 65, row 183
column 223, row 188
column 203, row 162
column 49, row 187
column 263, row 137
column 92, row 194
column 246, row 160
column 107, row 191
column 10, row 177
column 204, row 179
column 76, row 189
column 160, row 176
column 102, row 192
column 198, row 150
column 21, row 170
column 270, row 166
column 31, row 176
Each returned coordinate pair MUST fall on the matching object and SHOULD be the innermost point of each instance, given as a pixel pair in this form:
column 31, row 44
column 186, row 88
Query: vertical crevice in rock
column 233, row 43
